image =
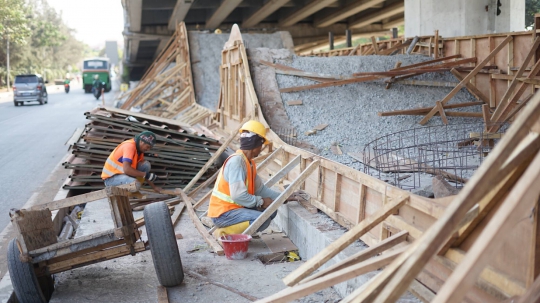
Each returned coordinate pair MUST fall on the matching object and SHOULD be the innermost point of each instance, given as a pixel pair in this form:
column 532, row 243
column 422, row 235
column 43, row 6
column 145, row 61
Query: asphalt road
column 32, row 142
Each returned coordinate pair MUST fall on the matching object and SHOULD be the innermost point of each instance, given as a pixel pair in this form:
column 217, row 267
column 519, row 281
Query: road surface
column 32, row 142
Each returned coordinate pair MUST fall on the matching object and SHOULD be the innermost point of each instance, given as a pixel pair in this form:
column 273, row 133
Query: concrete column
column 331, row 40
column 463, row 17
column 348, row 37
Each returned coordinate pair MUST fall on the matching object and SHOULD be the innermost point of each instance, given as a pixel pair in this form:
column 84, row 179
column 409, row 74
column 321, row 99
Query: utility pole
column 7, row 80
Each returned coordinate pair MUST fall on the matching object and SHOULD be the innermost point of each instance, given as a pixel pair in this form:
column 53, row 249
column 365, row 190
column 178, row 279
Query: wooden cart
column 35, row 254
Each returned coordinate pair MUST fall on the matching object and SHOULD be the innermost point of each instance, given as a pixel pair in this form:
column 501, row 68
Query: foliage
column 40, row 41
column 531, row 7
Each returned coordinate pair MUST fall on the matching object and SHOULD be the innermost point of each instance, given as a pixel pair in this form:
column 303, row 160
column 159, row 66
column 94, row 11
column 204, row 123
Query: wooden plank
column 534, row 250
column 205, row 279
column 283, row 172
column 202, row 200
column 423, row 110
column 349, row 237
column 216, row 155
column 361, row 256
column 436, row 49
column 407, row 266
column 467, row 78
column 295, row 185
column 531, row 295
column 76, row 200
column 177, row 212
column 440, row 108
column 205, row 184
column 518, row 203
column 320, row 127
column 375, row 45
column 472, row 89
column 294, row 102
column 162, row 295
column 420, row 291
column 301, row 290
column 427, row 62
column 329, row 84
column 200, row 227
column 511, row 87
column 398, row 64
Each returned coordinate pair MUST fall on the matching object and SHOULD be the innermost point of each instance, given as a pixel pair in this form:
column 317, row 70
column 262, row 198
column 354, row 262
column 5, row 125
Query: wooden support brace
column 200, row 227
column 467, row 78
column 295, row 185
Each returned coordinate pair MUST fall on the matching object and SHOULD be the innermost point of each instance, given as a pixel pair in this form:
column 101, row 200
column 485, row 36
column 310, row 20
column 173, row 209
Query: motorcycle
column 66, row 88
column 97, row 90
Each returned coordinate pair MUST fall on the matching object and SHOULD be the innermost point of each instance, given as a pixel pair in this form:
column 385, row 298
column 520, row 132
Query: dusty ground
column 133, row 279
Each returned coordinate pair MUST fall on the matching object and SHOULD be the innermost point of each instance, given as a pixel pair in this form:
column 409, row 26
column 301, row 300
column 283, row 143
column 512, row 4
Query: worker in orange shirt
column 126, row 164
column 240, row 196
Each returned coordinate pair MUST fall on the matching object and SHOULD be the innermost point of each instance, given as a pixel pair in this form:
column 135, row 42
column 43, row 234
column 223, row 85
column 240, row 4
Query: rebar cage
column 452, row 151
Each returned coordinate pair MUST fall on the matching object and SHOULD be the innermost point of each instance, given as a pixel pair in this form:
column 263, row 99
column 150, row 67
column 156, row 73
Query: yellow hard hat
column 255, row 127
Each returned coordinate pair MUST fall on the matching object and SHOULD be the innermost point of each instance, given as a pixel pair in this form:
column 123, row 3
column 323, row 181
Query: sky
column 95, row 21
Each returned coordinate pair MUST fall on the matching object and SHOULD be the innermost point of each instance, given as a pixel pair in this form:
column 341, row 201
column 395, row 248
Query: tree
column 531, row 7
column 14, row 21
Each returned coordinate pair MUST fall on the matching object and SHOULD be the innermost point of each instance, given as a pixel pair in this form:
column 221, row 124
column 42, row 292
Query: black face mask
column 249, row 143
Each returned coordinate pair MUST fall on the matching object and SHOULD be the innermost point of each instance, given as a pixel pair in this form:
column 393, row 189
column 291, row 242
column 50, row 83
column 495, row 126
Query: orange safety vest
column 221, row 201
column 114, row 167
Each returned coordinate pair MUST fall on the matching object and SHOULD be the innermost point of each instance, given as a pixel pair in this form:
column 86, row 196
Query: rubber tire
column 16, row 103
column 163, row 245
column 41, row 101
column 21, row 103
column 25, row 283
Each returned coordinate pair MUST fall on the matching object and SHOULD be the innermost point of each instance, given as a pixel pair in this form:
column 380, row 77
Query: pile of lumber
column 166, row 89
column 179, row 154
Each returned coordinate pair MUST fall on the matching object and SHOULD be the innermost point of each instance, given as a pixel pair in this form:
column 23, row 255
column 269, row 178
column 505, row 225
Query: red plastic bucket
column 235, row 246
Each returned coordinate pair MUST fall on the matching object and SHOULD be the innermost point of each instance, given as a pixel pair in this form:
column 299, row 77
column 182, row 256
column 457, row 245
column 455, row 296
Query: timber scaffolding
column 443, row 250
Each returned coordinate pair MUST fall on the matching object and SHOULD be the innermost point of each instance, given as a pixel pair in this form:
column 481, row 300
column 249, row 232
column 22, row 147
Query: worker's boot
column 235, row 229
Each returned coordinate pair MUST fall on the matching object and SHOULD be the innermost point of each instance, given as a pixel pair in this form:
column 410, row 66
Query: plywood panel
column 348, row 198
column 374, row 201
column 415, row 218
column 522, row 45
column 482, row 82
column 329, row 186
column 501, row 59
column 482, row 48
column 312, row 182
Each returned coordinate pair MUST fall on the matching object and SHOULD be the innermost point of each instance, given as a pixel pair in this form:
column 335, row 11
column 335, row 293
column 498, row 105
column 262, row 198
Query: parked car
column 29, row 88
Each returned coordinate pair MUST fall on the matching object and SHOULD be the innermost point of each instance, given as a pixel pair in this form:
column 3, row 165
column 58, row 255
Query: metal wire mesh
column 288, row 135
column 452, row 151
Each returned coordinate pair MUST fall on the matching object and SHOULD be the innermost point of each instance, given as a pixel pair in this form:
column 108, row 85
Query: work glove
column 150, row 177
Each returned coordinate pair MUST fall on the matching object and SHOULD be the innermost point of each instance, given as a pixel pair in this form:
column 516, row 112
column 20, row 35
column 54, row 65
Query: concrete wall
column 463, row 17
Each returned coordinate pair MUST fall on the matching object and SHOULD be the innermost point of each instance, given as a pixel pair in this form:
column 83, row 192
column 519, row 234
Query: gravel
column 205, row 52
column 351, row 110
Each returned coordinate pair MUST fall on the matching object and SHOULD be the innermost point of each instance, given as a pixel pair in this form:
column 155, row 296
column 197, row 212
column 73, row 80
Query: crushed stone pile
column 351, row 110
column 205, row 53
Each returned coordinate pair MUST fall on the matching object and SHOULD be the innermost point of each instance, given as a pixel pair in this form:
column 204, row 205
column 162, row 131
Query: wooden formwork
column 166, row 89
column 349, row 196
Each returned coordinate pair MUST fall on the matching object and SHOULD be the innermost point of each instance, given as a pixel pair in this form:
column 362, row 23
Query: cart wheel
column 163, row 244
column 27, row 286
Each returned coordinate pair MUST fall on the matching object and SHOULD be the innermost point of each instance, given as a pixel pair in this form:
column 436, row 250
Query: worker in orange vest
column 126, row 164
column 240, row 196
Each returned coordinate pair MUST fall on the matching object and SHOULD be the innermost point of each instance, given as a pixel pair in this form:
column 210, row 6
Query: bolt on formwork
column 451, row 151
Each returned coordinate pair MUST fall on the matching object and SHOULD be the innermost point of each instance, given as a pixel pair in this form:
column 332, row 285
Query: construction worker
column 240, row 196
column 126, row 164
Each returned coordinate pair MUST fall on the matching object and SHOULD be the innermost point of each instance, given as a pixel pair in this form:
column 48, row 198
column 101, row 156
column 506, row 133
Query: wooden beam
column 216, row 155
column 401, row 272
column 198, row 224
column 472, row 89
column 393, row 23
column 375, row 45
column 266, row 10
column 295, row 185
column 387, row 12
column 179, row 13
column 440, row 108
column 346, row 12
column 328, row 84
column 361, row 256
column 427, row 62
column 467, row 78
column 162, row 296
column 518, row 203
column 349, row 237
column 304, row 12
column 223, row 11
column 296, row 292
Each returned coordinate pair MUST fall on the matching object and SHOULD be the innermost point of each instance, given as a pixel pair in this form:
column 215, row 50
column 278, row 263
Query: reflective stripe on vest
column 113, row 166
column 221, row 201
